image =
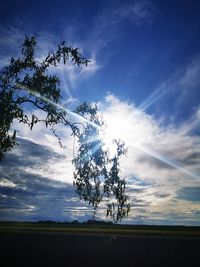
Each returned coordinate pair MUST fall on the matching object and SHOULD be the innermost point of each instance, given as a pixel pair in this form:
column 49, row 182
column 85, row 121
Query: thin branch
column 28, row 100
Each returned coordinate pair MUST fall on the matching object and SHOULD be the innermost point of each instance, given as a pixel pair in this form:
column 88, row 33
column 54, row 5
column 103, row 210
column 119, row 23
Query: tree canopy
column 27, row 80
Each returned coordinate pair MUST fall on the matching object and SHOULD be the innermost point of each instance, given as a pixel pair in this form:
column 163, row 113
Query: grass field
column 57, row 244
column 99, row 229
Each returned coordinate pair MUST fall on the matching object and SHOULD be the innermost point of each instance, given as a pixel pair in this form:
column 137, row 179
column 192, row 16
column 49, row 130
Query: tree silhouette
column 96, row 175
column 28, row 81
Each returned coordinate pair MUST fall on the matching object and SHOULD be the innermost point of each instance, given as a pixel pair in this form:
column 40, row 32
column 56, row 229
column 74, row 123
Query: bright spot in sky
column 140, row 132
column 124, row 128
column 116, row 128
column 120, row 128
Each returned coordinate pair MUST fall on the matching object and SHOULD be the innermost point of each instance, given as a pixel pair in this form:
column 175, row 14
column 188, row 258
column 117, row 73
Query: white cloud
column 163, row 157
column 60, row 169
column 7, row 183
column 141, row 130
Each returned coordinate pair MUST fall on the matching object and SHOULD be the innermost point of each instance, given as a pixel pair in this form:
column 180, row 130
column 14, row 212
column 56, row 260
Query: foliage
column 96, row 174
column 22, row 81
column 27, row 81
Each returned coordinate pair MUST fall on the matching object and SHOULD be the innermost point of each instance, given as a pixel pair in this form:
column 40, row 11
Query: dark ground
column 68, row 249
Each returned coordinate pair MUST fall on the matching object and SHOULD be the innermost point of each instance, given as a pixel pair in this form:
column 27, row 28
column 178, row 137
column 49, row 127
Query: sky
column 144, row 76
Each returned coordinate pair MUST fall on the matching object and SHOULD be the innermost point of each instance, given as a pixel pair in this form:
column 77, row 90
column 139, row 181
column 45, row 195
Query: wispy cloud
column 181, row 90
column 69, row 74
column 105, row 30
column 139, row 12
column 9, row 43
column 75, row 74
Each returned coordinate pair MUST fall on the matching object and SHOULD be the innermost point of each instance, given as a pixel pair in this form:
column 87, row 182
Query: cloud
column 76, row 74
column 104, row 32
column 69, row 74
column 181, row 91
column 152, row 183
column 30, row 155
column 33, row 193
column 144, row 134
column 163, row 156
column 189, row 193
column 138, row 12
column 9, row 44
column 6, row 183
column 42, row 159
column 191, row 78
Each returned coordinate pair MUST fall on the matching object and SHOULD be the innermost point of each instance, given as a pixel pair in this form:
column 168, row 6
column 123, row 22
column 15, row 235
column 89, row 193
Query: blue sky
column 144, row 71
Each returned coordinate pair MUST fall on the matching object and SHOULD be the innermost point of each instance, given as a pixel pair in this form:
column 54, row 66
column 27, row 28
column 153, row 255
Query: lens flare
column 69, row 112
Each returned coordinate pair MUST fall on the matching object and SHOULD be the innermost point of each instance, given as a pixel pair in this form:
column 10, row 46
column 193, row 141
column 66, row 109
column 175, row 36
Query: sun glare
column 137, row 132
column 117, row 129
column 120, row 127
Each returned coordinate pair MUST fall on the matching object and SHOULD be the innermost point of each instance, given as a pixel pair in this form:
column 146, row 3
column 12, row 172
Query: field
column 29, row 244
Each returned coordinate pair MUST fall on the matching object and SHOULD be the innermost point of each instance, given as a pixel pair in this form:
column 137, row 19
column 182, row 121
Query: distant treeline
column 105, row 224
column 77, row 222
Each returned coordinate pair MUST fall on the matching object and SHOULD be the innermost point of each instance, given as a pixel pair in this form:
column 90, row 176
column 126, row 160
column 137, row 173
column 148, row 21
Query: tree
column 27, row 80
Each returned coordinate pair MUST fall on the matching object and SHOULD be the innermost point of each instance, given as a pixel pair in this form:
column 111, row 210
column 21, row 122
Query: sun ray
column 154, row 96
column 166, row 160
column 69, row 112
column 110, row 137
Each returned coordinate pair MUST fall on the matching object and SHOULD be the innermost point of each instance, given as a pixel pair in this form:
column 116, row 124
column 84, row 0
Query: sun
column 124, row 125
column 116, row 129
